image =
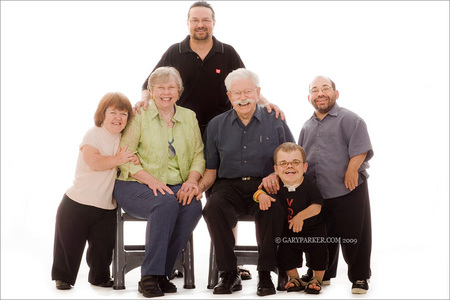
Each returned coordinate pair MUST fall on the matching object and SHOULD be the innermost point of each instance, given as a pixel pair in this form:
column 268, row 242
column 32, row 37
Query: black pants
column 229, row 199
column 348, row 220
column 75, row 224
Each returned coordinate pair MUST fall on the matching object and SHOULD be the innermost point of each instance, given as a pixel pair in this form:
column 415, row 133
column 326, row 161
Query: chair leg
column 213, row 273
column 188, row 264
column 119, row 254
column 282, row 280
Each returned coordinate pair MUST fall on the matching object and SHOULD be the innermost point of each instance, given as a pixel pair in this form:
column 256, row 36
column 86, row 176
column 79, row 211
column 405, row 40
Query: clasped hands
column 185, row 194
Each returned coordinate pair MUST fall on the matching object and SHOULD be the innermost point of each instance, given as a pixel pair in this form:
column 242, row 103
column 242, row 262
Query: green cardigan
column 146, row 134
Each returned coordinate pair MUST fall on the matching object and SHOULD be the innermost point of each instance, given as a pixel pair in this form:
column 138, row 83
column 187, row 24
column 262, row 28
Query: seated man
column 239, row 150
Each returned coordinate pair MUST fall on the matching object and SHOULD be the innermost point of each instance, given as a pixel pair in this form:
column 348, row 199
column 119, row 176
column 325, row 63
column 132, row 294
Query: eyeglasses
column 247, row 92
column 162, row 89
column 285, row 164
column 204, row 21
column 172, row 152
column 323, row 89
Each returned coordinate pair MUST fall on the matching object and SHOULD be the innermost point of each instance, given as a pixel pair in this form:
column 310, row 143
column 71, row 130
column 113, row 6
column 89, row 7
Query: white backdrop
column 390, row 61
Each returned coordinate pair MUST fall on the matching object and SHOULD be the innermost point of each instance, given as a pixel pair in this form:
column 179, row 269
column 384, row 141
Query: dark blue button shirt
column 238, row 151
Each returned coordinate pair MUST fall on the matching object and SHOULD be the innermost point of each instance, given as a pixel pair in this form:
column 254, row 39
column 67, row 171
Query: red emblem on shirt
column 218, row 71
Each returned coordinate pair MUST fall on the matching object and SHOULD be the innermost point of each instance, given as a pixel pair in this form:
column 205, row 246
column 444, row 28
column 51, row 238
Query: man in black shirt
column 203, row 63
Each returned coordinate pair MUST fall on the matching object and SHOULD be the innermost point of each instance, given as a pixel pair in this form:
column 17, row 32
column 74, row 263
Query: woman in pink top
column 87, row 210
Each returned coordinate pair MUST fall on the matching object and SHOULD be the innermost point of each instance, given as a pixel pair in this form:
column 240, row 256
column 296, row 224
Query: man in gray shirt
column 338, row 149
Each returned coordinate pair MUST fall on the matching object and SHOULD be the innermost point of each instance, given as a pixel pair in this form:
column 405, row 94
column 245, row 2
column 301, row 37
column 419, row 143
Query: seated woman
column 87, row 210
column 167, row 140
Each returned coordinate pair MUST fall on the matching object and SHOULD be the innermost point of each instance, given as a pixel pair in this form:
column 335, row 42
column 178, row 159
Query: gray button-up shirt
column 237, row 151
column 329, row 144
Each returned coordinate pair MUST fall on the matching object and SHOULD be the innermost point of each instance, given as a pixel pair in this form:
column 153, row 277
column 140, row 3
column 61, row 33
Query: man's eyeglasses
column 323, row 89
column 204, row 21
column 285, row 164
column 247, row 92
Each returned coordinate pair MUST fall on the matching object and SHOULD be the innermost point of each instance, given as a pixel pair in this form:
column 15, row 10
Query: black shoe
column 165, row 285
column 61, row 285
column 265, row 284
column 149, row 286
column 307, row 278
column 360, row 287
column 108, row 283
column 230, row 281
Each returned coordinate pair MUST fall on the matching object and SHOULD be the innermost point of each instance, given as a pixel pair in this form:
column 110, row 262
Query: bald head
column 322, row 80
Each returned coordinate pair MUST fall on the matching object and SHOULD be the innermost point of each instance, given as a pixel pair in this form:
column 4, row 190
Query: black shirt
column 203, row 81
column 294, row 202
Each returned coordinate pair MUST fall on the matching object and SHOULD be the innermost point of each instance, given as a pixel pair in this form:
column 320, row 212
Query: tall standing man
column 338, row 150
column 203, row 63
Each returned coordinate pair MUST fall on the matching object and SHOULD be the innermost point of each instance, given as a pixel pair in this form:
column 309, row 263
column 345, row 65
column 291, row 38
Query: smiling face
column 322, row 96
column 290, row 174
column 115, row 120
column 165, row 93
column 243, row 96
column 201, row 23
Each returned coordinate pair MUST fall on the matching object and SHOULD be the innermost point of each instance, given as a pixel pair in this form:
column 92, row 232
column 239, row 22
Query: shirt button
column 245, row 147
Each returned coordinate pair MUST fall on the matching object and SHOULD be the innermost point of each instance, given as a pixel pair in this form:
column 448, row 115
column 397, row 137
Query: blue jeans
column 169, row 223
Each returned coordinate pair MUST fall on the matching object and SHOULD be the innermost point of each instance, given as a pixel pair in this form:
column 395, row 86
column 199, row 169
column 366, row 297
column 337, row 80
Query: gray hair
column 241, row 73
column 164, row 74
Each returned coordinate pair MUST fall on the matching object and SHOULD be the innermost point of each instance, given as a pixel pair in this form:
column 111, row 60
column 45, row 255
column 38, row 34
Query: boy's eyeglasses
column 285, row 164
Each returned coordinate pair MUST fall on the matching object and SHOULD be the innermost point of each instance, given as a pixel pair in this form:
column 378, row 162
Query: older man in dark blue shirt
column 239, row 153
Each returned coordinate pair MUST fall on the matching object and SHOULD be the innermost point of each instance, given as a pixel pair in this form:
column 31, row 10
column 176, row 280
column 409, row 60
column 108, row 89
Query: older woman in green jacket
column 162, row 189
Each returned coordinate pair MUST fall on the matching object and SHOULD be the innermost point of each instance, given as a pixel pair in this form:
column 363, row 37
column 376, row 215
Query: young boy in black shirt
column 304, row 230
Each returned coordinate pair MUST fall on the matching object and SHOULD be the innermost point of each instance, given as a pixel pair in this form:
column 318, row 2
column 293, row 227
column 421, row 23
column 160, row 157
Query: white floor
column 398, row 272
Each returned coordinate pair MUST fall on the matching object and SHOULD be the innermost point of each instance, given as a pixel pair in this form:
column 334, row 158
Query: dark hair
column 333, row 85
column 116, row 100
column 203, row 4
column 289, row 147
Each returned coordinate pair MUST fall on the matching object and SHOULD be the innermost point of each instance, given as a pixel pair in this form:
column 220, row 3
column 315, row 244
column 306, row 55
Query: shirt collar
column 153, row 111
column 184, row 46
column 257, row 114
column 334, row 111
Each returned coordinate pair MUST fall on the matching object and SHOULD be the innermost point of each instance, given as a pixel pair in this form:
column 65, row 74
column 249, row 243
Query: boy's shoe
column 360, row 287
column 265, row 284
column 307, row 278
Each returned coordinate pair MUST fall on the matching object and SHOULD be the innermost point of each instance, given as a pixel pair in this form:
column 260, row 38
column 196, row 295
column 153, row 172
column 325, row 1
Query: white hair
column 241, row 73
